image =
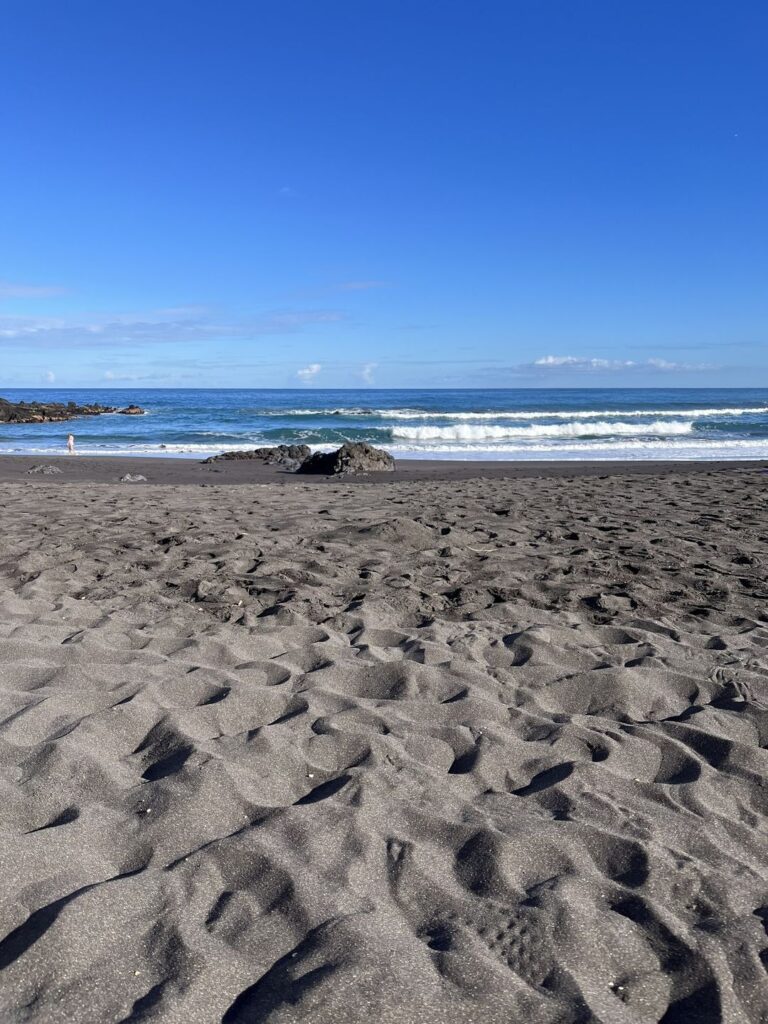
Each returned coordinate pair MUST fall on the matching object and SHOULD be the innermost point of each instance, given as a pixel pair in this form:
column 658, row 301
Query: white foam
column 689, row 449
column 469, row 432
column 534, row 414
column 137, row 450
column 577, row 414
column 597, row 449
column 358, row 411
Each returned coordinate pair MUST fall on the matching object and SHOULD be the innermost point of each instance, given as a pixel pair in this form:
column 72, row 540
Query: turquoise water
column 444, row 424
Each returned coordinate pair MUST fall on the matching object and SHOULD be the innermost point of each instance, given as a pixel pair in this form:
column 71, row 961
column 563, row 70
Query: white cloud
column 308, row 374
column 133, row 377
column 581, row 362
column 49, row 376
column 366, row 374
column 663, row 364
column 13, row 290
column 184, row 324
column 557, row 361
column 584, row 363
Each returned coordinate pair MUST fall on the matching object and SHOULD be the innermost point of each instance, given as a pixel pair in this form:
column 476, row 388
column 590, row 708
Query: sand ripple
column 480, row 751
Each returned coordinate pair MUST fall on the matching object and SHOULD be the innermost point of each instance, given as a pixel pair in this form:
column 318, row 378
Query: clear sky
column 386, row 192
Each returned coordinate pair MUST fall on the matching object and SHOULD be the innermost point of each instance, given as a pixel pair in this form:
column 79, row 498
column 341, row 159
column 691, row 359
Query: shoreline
column 104, row 469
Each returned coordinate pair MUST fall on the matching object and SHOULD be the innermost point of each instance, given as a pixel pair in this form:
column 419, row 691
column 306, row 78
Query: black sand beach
column 173, row 471
column 471, row 743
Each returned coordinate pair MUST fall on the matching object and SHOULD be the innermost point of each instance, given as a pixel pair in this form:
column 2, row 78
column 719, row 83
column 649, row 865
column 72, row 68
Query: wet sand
column 158, row 470
column 471, row 744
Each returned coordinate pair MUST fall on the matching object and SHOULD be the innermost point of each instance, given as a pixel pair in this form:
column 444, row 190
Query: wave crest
column 469, row 432
column 534, row 414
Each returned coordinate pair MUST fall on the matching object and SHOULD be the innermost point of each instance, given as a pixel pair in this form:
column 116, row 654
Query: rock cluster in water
column 354, row 457
column 56, row 412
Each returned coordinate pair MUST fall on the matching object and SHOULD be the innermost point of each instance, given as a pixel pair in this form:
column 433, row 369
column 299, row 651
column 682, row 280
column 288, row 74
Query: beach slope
column 431, row 750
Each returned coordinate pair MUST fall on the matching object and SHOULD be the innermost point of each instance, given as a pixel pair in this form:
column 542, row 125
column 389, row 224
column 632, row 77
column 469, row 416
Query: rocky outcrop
column 55, row 412
column 353, row 457
column 288, row 455
column 131, row 410
column 356, row 457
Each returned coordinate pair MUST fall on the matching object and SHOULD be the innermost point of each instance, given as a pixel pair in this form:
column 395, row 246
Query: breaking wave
column 468, row 432
column 534, row 414
column 432, row 424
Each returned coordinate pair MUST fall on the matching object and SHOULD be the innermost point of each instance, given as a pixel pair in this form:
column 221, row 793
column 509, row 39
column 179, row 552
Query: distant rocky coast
column 57, row 412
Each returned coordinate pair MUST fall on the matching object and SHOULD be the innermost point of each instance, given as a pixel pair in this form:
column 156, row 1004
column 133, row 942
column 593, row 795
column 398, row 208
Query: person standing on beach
column 71, row 444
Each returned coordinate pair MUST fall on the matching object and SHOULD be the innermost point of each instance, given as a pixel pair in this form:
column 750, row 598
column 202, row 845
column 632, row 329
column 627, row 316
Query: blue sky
column 386, row 192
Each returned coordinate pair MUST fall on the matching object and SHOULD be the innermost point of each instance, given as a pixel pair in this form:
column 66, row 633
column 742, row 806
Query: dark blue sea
column 574, row 424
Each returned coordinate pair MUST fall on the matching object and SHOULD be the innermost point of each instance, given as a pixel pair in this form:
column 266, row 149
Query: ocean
column 572, row 424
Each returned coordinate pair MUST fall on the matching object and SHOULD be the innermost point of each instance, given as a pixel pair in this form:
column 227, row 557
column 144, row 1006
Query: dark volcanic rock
column 131, row 410
column 356, row 457
column 54, row 412
column 289, row 455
